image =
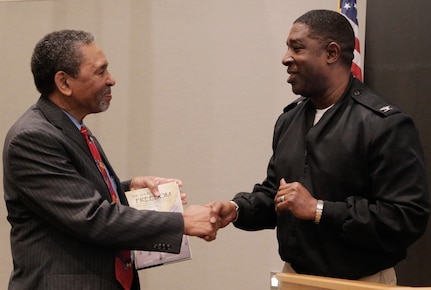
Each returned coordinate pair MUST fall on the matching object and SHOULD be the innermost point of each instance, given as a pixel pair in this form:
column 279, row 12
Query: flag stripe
column 348, row 9
column 357, row 45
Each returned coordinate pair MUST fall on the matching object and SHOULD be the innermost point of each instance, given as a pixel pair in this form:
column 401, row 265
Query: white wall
column 199, row 87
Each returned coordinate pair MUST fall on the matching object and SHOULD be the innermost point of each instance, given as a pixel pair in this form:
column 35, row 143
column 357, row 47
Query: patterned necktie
column 123, row 262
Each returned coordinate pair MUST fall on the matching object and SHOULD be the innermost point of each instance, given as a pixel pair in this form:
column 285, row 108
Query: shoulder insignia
column 385, row 109
column 373, row 102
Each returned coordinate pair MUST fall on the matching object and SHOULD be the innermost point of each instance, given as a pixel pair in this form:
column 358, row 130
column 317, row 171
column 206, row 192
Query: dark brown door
column 398, row 66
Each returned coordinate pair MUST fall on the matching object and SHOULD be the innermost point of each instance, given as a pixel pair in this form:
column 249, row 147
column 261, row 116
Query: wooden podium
column 289, row 281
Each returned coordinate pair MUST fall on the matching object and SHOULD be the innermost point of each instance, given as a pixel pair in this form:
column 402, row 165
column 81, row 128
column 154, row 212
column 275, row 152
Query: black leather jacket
column 364, row 159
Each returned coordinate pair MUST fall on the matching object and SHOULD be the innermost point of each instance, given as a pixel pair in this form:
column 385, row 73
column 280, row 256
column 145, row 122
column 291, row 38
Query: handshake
column 204, row 220
column 199, row 220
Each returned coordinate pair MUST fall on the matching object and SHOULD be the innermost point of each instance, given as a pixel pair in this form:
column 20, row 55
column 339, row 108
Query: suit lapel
column 105, row 160
column 59, row 119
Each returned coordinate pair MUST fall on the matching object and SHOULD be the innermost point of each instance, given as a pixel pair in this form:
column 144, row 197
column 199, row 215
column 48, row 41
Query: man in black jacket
column 346, row 186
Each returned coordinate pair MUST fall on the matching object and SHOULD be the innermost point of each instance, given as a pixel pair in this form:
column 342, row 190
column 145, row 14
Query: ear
column 62, row 84
column 333, row 52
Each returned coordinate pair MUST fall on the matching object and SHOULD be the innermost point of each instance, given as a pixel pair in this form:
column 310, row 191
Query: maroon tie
column 123, row 262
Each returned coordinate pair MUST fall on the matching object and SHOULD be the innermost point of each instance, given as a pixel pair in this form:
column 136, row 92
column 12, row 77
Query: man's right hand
column 226, row 211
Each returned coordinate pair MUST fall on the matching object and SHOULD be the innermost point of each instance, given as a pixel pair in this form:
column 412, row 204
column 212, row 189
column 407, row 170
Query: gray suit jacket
column 65, row 229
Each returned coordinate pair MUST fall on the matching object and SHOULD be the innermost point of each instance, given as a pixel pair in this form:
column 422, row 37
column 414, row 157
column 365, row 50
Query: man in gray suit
column 66, row 226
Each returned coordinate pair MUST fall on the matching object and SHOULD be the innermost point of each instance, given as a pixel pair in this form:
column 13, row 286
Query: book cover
column 169, row 200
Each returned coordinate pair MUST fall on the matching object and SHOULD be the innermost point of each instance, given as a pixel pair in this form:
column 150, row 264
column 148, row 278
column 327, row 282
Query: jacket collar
column 59, row 119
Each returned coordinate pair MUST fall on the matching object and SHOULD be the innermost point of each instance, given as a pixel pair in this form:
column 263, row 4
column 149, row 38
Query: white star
column 385, row 109
column 347, row 6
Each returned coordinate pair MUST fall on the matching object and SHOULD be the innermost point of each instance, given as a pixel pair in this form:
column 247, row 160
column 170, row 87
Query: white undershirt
column 319, row 114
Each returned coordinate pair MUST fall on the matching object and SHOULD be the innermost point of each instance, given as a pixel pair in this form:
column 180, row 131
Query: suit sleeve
column 126, row 185
column 48, row 177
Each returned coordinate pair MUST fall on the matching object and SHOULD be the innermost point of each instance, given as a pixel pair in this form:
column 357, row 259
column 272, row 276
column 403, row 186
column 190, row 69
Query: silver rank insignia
column 385, row 109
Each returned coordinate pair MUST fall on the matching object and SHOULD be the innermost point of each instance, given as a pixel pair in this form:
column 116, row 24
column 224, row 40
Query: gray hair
column 57, row 51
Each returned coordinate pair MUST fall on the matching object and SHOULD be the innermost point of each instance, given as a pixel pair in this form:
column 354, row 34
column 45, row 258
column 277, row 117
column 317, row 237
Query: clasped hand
column 295, row 198
column 199, row 220
column 215, row 215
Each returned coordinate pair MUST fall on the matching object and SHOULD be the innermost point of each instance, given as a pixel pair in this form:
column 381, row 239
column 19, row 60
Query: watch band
column 319, row 211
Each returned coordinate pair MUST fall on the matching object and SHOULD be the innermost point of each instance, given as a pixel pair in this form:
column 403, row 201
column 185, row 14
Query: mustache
column 106, row 92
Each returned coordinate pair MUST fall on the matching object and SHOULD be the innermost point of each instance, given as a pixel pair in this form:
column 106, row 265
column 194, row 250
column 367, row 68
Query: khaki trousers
column 387, row 276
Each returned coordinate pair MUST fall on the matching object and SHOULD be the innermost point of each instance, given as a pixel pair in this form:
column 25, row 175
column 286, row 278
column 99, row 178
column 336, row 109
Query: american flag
column 348, row 9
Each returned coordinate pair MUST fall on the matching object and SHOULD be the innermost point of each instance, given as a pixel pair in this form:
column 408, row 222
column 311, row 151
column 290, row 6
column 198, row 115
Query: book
column 169, row 200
